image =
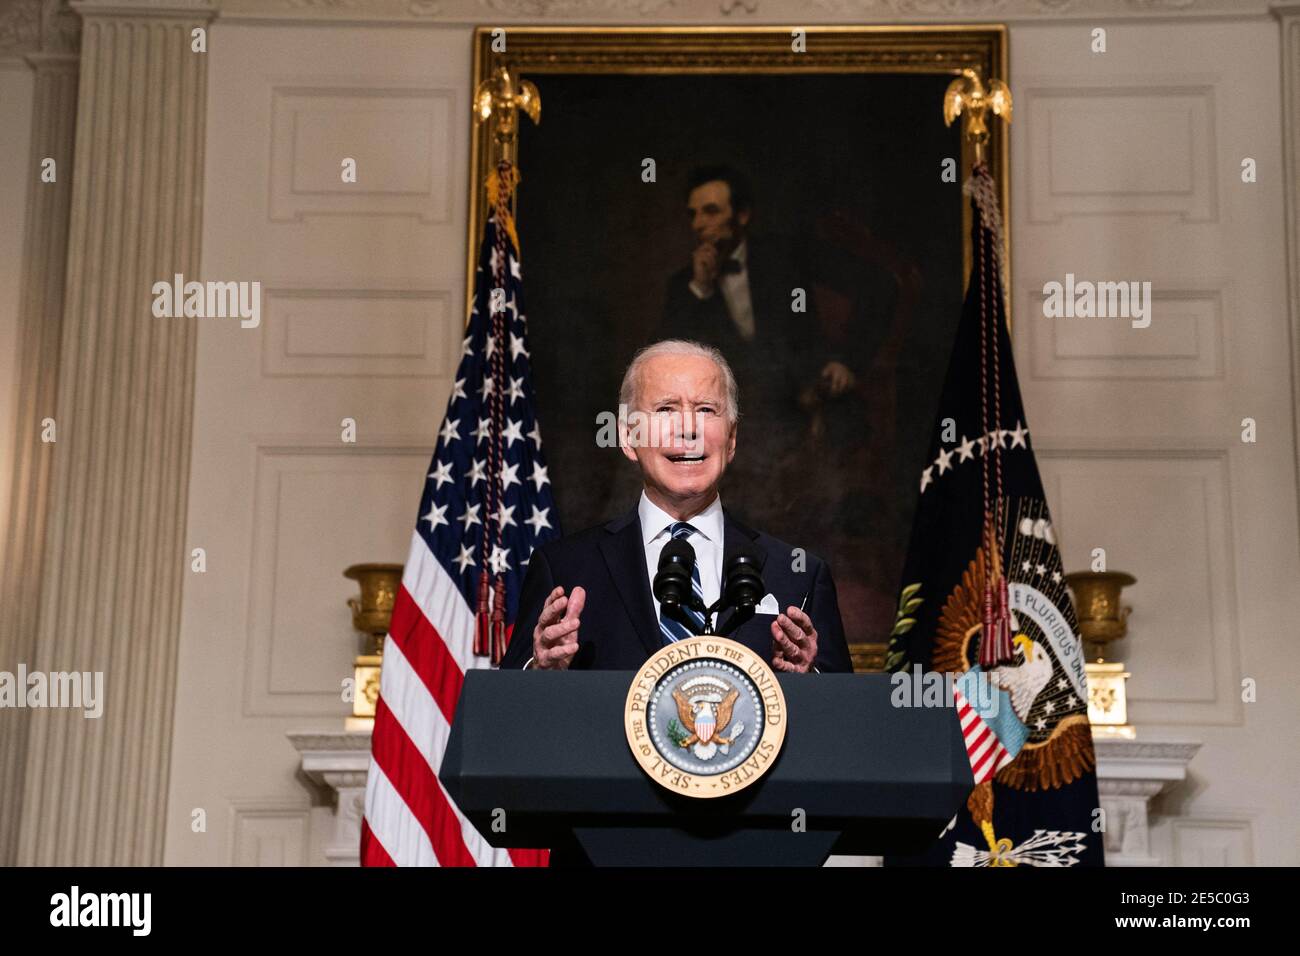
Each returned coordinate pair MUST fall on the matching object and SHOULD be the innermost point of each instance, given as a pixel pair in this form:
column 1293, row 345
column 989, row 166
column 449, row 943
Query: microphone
column 742, row 584
column 672, row 584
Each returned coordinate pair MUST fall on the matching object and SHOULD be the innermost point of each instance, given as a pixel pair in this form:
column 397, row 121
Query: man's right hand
column 705, row 267
column 555, row 638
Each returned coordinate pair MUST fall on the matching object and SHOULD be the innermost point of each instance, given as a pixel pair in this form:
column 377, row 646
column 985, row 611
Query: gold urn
column 1103, row 619
column 372, row 614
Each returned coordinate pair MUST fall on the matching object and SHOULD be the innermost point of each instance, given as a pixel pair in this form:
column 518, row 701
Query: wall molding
column 257, row 825
column 729, row 12
column 273, row 457
column 1178, row 96
column 1221, row 645
column 415, row 336
column 1206, row 300
column 297, row 192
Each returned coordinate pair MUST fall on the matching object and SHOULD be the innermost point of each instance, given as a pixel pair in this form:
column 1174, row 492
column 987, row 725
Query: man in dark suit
column 739, row 294
column 587, row 599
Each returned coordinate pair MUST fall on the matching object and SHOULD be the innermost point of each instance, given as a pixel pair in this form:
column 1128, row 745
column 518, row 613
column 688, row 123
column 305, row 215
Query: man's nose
column 695, row 437
column 690, row 431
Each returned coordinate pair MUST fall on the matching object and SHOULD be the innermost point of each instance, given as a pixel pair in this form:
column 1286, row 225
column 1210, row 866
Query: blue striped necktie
column 673, row 627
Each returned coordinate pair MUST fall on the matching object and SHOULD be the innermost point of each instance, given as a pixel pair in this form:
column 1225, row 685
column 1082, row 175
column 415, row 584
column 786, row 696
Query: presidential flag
column 984, row 599
column 486, row 506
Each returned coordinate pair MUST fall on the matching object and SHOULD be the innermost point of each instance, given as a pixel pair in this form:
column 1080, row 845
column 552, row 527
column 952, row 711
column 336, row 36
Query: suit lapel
column 734, row 531
column 624, row 554
column 749, row 629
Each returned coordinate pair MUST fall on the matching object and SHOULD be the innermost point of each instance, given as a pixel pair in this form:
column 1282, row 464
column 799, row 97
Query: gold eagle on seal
column 704, row 706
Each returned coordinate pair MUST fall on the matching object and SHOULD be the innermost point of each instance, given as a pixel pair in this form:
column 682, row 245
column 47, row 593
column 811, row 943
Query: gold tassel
column 503, row 209
column 482, row 627
column 499, row 622
column 995, row 641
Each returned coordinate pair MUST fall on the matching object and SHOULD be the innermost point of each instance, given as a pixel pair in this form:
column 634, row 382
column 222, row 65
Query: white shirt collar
column 741, row 252
column 655, row 521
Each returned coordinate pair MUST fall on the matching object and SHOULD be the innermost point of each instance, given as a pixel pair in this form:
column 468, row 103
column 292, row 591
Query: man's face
column 712, row 218
column 690, row 442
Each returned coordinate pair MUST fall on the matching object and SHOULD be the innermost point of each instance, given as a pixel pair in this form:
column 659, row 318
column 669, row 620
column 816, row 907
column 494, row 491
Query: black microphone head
column 742, row 581
column 677, row 550
column 672, row 584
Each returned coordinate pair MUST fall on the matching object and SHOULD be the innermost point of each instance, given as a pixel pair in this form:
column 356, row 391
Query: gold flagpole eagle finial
column 496, row 100
column 967, row 94
column 500, row 95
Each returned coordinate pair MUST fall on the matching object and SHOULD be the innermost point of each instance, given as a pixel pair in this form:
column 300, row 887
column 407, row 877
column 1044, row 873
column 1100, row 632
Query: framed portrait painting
column 807, row 177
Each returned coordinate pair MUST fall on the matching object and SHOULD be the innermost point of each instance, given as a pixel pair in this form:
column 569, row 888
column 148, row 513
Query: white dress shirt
column 707, row 542
column 735, row 289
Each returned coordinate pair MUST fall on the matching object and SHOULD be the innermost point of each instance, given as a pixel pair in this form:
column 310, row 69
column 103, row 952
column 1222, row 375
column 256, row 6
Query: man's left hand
column 838, row 378
column 794, row 641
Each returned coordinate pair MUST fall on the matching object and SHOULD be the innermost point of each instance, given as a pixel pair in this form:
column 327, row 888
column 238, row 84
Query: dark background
column 599, row 245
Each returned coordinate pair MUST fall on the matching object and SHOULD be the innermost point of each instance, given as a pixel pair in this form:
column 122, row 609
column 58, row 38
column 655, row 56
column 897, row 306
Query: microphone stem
column 708, row 614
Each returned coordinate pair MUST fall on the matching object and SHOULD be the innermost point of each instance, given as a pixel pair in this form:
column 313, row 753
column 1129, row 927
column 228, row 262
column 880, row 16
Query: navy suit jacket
column 619, row 630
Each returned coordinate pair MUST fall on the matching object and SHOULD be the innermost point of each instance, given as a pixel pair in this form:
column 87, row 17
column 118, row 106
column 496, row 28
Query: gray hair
column 632, row 377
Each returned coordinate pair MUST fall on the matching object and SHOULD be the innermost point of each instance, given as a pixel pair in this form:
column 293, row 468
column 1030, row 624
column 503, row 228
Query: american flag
column 487, row 496
column 986, row 753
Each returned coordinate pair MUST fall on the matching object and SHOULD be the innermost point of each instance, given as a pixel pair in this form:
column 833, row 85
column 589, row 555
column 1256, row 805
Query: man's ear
column 731, row 443
column 623, row 445
column 742, row 217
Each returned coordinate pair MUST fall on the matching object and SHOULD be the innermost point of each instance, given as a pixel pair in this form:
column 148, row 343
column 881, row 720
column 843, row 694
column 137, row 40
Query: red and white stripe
column 986, row 753
column 410, row 820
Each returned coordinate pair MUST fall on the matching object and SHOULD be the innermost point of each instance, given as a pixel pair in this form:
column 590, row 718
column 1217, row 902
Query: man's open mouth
column 686, row 458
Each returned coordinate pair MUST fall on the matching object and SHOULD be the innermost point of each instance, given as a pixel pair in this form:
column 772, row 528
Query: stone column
column 94, row 790
column 1288, row 14
column 46, row 34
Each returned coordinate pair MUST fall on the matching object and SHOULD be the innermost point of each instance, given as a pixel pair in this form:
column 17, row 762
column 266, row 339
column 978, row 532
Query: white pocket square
column 768, row 605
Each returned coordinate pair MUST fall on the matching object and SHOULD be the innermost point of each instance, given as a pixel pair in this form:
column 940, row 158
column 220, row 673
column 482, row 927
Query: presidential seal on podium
column 705, row 717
